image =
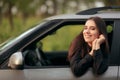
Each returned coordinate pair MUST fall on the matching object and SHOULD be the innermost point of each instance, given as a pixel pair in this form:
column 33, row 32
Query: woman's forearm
column 100, row 63
column 80, row 66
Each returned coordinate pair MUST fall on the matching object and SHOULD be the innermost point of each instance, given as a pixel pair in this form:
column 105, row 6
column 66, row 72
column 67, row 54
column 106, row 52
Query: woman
column 90, row 48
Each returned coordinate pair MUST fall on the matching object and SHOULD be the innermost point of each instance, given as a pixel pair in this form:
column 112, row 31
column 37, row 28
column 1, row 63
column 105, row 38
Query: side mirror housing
column 16, row 61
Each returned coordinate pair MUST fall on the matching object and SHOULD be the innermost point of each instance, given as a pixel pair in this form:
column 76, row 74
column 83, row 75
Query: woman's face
column 90, row 32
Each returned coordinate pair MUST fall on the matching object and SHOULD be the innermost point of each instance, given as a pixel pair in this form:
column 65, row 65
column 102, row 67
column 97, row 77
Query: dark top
column 98, row 62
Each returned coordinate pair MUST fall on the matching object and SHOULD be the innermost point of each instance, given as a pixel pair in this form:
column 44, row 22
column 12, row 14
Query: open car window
column 61, row 39
column 54, row 47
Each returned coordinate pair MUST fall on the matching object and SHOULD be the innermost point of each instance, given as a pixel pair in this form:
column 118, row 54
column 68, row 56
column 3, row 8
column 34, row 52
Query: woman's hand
column 101, row 39
column 96, row 43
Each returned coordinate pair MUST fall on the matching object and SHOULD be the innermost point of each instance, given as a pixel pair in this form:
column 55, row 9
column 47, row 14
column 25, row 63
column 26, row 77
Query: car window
column 61, row 39
column 54, row 47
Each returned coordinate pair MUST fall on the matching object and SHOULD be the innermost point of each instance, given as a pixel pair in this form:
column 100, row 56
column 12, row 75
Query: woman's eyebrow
column 90, row 26
column 93, row 26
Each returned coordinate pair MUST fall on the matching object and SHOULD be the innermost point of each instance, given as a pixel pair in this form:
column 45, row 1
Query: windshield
column 10, row 41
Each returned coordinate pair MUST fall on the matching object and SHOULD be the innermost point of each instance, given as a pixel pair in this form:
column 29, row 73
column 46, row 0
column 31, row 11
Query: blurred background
column 18, row 15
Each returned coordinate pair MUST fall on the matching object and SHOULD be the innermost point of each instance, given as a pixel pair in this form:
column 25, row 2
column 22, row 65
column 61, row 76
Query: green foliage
column 61, row 39
column 109, row 28
column 6, row 32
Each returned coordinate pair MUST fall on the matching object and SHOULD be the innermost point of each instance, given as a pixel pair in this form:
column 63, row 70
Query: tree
column 1, row 4
column 111, row 2
column 25, row 7
column 9, row 4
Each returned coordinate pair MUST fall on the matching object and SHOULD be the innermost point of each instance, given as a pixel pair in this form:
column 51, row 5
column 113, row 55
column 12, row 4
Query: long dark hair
column 79, row 44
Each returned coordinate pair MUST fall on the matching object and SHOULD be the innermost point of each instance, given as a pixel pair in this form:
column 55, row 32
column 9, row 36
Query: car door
column 54, row 74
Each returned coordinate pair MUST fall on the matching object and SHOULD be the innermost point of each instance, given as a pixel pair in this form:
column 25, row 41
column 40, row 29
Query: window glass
column 61, row 39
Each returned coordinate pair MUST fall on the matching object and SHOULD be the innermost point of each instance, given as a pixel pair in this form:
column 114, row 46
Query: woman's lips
column 87, row 36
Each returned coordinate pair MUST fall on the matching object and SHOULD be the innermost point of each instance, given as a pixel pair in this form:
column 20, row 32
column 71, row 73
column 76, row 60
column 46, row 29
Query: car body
column 24, row 57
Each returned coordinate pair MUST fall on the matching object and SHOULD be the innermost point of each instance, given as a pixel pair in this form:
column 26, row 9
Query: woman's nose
column 87, row 31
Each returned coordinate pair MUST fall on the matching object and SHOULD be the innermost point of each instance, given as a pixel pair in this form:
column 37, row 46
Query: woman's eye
column 92, row 28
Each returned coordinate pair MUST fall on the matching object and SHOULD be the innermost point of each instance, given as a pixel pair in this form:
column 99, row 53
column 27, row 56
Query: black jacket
column 98, row 62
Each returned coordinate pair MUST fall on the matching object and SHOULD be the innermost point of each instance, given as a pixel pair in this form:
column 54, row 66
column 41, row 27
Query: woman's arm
column 80, row 65
column 100, row 62
column 100, row 57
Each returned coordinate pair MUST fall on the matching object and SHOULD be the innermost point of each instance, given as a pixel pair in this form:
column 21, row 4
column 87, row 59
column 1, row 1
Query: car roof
column 103, row 12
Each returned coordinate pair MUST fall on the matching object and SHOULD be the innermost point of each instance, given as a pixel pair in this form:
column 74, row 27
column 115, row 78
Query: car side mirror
column 16, row 61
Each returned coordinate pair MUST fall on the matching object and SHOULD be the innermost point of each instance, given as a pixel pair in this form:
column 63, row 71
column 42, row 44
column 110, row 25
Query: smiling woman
column 90, row 48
